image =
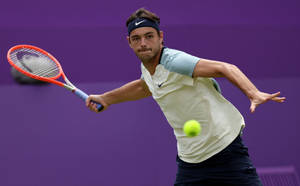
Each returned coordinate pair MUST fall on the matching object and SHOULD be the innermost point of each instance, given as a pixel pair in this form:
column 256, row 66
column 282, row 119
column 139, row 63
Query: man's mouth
column 144, row 50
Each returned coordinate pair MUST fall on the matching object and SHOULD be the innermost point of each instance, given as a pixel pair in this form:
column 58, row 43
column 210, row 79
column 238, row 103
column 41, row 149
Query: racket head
column 35, row 63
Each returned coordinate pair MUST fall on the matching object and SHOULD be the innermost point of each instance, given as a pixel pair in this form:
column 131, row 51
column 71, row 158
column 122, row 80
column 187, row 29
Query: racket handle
column 84, row 96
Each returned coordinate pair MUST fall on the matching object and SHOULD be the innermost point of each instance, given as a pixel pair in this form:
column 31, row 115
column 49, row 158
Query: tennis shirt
column 182, row 97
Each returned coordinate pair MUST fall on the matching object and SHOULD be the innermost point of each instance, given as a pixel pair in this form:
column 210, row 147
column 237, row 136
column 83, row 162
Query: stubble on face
column 148, row 55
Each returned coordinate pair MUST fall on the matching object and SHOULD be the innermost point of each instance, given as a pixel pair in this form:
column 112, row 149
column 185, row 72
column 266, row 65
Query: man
column 183, row 87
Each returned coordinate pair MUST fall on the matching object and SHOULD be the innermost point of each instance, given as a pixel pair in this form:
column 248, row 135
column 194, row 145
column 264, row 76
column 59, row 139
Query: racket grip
column 84, row 96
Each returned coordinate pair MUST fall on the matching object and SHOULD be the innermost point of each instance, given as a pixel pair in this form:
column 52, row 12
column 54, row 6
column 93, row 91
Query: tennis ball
column 192, row 128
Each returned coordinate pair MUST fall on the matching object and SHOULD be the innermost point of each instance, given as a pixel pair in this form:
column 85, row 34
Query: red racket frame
column 47, row 79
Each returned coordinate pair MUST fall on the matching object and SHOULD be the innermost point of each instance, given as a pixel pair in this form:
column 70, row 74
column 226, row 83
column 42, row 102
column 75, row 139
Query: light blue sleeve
column 180, row 62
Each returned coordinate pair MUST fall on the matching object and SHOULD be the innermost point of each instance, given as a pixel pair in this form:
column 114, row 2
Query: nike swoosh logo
column 137, row 23
column 159, row 85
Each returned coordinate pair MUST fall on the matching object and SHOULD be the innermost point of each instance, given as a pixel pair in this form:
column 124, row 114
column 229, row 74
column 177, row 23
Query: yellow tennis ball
column 192, row 128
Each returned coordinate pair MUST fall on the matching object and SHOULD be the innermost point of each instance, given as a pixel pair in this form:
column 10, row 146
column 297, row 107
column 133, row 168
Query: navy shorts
column 230, row 167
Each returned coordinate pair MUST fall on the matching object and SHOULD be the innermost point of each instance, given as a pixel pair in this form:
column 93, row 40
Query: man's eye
column 149, row 36
column 135, row 39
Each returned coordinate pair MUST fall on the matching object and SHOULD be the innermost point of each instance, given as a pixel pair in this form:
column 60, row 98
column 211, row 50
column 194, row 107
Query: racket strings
column 46, row 72
column 35, row 62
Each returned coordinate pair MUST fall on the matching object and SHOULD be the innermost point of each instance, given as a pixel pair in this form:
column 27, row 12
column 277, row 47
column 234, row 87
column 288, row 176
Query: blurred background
column 48, row 137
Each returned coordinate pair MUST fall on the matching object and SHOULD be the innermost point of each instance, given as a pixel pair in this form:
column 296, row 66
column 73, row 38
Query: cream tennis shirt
column 182, row 98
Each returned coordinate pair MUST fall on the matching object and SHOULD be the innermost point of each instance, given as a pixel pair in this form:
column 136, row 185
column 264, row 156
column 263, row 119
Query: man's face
column 146, row 43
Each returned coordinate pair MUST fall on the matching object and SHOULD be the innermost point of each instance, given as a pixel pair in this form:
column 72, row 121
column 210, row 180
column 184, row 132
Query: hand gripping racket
column 39, row 64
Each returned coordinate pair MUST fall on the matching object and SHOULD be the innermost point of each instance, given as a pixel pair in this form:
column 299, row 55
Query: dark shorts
column 230, row 167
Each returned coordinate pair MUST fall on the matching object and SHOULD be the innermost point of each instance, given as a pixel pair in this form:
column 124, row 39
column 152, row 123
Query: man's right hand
column 96, row 98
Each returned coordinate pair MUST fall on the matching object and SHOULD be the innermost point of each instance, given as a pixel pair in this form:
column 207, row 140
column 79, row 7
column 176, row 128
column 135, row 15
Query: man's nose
column 143, row 41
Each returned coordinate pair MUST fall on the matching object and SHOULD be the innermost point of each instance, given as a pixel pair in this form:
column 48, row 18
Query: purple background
column 48, row 137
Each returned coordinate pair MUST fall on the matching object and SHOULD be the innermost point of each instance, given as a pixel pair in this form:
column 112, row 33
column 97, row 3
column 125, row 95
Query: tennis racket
column 39, row 64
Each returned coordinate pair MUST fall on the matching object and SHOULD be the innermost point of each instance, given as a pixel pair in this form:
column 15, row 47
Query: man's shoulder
column 171, row 51
column 178, row 61
column 169, row 54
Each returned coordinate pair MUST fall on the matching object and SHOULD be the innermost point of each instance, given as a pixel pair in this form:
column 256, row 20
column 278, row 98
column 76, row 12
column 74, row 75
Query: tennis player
column 184, row 88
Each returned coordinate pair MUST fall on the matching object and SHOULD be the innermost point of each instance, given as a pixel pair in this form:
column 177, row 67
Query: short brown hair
column 143, row 13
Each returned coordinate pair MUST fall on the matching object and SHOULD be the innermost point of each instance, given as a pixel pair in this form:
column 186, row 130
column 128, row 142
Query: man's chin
column 145, row 58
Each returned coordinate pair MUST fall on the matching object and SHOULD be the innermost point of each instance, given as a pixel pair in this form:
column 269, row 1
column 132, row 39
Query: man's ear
column 129, row 42
column 161, row 35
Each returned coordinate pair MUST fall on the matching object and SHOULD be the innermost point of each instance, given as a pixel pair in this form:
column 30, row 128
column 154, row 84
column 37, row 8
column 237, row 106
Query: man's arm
column 210, row 68
column 131, row 91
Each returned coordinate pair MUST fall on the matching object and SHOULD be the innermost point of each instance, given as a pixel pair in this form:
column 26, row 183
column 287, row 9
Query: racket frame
column 47, row 79
column 68, row 85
